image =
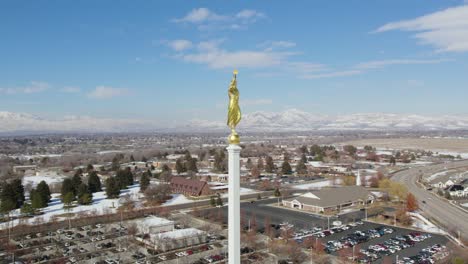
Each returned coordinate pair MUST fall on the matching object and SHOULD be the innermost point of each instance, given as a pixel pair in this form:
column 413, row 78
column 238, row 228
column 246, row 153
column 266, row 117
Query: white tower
column 234, row 204
column 358, row 178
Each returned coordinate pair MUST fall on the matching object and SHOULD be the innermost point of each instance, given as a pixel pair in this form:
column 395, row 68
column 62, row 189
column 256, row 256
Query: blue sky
column 172, row 60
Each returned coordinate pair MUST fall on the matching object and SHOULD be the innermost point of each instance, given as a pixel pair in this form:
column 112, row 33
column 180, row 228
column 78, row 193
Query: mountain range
column 289, row 120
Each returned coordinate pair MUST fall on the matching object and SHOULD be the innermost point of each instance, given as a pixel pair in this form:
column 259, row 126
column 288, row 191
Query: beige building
column 331, row 199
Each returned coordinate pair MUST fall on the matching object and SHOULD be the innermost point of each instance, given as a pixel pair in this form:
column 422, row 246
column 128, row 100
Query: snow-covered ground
column 177, row 199
column 242, row 191
column 422, row 223
column 465, row 205
column 100, row 205
column 313, row 185
column 438, row 174
column 49, row 177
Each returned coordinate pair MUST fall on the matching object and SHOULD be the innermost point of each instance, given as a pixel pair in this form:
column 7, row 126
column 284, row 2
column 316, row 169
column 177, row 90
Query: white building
column 175, row 239
column 154, row 225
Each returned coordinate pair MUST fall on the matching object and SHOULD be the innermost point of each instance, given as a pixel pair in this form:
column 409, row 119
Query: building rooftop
column 328, row 197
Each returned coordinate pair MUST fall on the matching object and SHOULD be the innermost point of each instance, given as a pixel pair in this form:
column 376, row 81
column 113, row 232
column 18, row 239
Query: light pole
column 328, row 217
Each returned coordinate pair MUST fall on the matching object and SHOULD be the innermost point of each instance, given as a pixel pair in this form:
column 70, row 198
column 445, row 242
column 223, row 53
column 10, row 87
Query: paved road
column 449, row 216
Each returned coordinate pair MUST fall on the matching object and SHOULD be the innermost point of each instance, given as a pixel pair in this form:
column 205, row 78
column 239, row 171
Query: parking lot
column 305, row 224
column 107, row 244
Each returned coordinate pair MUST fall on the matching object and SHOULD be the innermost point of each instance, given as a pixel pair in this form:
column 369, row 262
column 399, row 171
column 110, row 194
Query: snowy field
column 242, row 191
column 100, row 205
column 177, row 199
column 313, row 185
column 48, row 177
column 422, row 223
column 438, row 174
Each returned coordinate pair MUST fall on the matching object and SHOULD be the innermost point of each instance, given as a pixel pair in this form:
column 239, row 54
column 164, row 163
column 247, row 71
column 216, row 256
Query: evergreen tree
column 212, row 201
column 277, row 192
column 286, row 168
column 304, row 158
column 191, row 165
column 82, row 189
column 301, row 168
column 270, row 166
column 179, row 166
column 68, row 199
column 112, row 188
column 94, row 183
column 67, row 186
column 219, row 201
column 44, row 191
column 124, row 178
column 132, row 159
column 27, row 209
column 79, row 171
column 18, row 189
column 165, row 168
column 145, row 181
column 85, row 199
column 315, row 150
column 144, row 159
column 37, row 200
column 89, row 168
column 7, row 198
column 76, row 181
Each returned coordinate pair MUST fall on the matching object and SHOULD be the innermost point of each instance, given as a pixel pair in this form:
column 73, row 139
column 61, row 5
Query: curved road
column 450, row 217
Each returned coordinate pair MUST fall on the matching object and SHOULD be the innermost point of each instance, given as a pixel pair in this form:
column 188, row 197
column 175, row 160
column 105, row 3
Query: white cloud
column 249, row 16
column 275, row 45
column 33, row 87
column 200, row 15
column 363, row 67
column 103, row 92
column 305, row 67
column 206, row 19
column 446, row 30
column 383, row 63
column 218, row 59
column 71, row 89
column 180, row 44
column 332, row 74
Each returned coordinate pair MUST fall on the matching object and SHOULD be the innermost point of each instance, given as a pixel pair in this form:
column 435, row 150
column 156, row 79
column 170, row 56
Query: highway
column 450, row 217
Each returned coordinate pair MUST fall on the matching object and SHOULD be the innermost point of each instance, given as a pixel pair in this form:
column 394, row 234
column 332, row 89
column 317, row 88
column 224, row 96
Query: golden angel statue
column 234, row 113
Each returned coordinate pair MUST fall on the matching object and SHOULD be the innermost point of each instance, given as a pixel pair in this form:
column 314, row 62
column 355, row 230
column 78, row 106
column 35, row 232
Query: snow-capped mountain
column 297, row 120
column 22, row 122
column 289, row 120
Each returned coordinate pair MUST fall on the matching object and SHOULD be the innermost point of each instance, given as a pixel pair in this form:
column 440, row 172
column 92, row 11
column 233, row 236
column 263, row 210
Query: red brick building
column 190, row 187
